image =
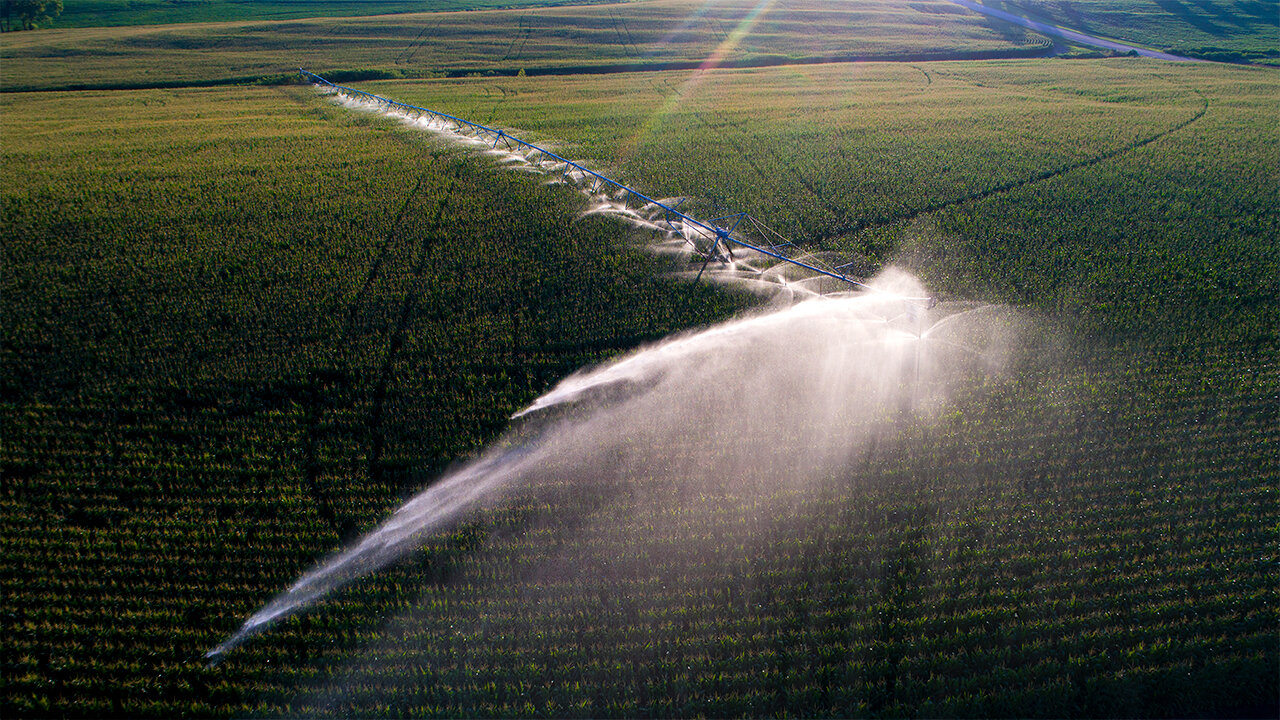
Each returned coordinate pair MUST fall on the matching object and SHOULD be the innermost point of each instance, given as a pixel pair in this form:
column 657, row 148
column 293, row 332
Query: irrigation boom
column 720, row 234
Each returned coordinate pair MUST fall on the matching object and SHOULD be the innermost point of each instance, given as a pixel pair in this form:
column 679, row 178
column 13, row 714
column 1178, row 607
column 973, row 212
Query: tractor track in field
column 516, row 48
column 376, row 266
column 407, row 54
column 1037, row 178
column 979, row 195
column 331, row 391
column 624, row 33
column 408, row 308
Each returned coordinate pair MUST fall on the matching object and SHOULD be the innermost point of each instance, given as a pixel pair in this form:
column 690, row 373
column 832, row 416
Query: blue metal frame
column 713, row 230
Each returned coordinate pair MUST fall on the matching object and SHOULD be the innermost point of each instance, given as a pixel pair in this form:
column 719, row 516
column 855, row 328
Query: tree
column 30, row 14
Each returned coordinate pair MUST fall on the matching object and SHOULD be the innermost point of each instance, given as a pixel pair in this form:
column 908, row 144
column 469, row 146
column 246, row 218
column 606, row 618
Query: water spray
column 828, row 373
column 831, row 376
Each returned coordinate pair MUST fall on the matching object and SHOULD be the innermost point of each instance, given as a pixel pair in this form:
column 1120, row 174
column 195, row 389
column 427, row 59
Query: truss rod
column 720, row 233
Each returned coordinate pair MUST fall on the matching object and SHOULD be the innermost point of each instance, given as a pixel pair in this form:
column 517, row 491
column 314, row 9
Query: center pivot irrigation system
column 717, row 241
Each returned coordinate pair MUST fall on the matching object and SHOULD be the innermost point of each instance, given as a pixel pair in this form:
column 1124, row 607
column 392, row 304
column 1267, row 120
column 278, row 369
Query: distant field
column 241, row 324
column 100, row 13
column 1227, row 30
column 646, row 34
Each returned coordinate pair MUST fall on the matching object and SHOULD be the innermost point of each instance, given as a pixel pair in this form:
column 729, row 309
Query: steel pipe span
column 709, row 229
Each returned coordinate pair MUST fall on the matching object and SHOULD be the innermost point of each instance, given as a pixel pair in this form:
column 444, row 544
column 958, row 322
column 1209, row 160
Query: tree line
column 27, row 14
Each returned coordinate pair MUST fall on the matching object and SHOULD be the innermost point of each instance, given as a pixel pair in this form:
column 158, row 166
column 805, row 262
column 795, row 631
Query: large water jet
column 780, row 396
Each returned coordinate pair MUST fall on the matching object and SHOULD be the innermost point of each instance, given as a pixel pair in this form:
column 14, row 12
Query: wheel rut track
column 840, row 211
column 336, row 389
column 624, row 34
column 406, row 56
column 1037, row 178
column 375, row 267
column 514, row 50
column 408, row 308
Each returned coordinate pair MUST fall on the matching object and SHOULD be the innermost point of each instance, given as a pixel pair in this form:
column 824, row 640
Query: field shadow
column 1184, row 12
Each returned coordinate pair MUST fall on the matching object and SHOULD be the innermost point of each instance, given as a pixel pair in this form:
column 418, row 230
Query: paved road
column 1072, row 35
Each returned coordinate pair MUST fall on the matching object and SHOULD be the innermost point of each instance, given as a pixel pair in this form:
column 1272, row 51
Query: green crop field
column 102, row 13
column 1226, row 30
column 240, row 325
column 633, row 35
